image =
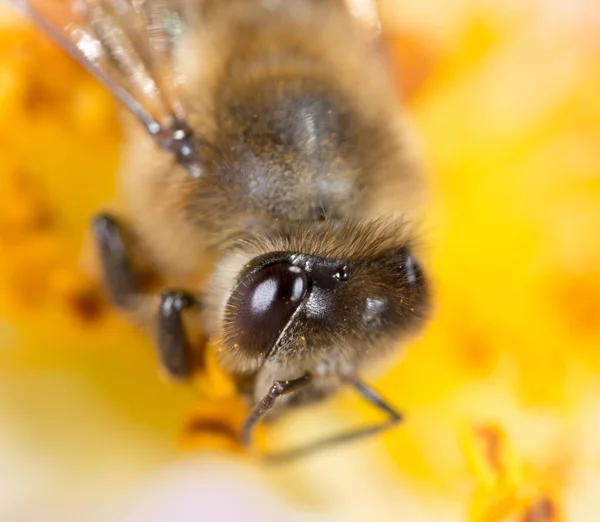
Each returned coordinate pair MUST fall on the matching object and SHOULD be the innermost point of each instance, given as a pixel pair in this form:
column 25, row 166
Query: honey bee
column 265, row 141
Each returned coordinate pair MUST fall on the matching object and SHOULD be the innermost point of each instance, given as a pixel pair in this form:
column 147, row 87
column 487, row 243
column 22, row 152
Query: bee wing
column 366, row 12
column 131, row 46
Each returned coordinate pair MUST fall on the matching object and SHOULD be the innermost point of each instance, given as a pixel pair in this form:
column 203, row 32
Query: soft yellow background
column 502, row 392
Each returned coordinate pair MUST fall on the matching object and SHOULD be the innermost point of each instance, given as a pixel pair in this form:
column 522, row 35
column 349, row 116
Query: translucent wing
column 131, row 46
column 366, row 12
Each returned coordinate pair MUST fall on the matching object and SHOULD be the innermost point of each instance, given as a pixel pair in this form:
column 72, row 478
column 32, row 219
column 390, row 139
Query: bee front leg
column 278, row 389
column 174, row 347
column 394, row 417
column 125, row 291
column 122, row 283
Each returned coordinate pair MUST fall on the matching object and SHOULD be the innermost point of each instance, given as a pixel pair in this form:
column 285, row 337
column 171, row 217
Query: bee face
column 300, row 307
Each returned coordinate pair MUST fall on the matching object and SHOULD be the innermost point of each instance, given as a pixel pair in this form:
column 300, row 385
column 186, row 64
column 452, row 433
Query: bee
column 263, row 139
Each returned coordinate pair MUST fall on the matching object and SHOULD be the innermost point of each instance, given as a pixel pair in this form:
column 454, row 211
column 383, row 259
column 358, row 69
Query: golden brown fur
column 254, row 60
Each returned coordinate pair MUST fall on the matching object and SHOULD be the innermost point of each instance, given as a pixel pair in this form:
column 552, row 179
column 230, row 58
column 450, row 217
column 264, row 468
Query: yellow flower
column 501, row 394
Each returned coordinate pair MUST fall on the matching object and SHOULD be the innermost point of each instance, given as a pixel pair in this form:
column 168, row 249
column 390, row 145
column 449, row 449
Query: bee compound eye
column 263, row 303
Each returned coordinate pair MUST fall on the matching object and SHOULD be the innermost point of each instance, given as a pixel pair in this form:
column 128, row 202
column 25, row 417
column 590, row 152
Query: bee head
column 353, row 289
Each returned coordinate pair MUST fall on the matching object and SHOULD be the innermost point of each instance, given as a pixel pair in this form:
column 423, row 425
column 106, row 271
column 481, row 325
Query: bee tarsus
column 125, row 291
column 121, row 280
column 278, row 389
column 174, row 347
column 352, row 435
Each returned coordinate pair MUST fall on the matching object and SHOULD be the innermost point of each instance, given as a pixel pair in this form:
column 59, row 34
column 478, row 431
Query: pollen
column 211, row 381
column 216, row 424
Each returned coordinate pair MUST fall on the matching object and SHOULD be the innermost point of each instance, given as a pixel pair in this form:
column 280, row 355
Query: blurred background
column 502, row 392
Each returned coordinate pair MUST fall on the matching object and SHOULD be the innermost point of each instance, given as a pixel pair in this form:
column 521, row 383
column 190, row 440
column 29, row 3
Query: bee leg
column 122, row 283
column 278, row 389
column 174, row 347
column 394, row 417
column 125, row 291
